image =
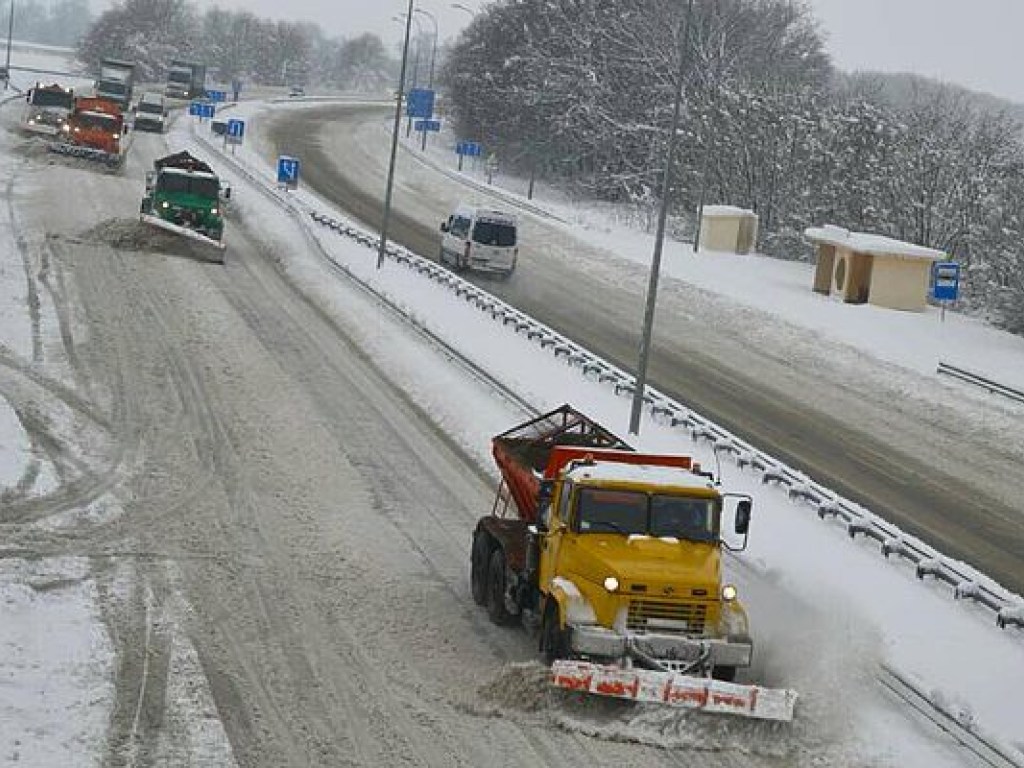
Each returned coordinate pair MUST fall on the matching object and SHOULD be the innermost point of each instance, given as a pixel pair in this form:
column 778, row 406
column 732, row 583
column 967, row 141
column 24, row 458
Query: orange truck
column 95, row 130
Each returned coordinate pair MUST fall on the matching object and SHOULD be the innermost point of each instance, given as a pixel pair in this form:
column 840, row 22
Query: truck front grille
column 665, row 616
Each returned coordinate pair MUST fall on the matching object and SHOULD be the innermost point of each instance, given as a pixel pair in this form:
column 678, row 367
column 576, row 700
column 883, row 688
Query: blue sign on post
column 217, row 96
column 469, row 149
column 236, row 130
column 946, row 281
column 427, row 125
column 201, row 109
column 288, row 171
column 419, row 103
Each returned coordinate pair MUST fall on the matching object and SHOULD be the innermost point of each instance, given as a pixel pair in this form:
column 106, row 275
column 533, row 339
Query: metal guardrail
column 994, row 387
column 927, row 561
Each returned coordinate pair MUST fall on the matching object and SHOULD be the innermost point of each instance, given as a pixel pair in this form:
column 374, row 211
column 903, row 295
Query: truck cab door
column 557, row 529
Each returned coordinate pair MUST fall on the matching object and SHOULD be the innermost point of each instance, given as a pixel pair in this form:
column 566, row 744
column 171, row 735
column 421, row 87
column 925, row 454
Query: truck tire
column 496, row 608
column 554, row 641
column 479, row 564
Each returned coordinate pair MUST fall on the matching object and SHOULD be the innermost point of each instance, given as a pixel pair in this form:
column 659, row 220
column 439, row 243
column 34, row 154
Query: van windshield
column 494, row 233
column 151, row 107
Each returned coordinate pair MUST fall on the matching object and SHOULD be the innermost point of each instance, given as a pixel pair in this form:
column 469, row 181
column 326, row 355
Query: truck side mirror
column 743, row 507
column 227, row 192
column 150, row 178
column 444, row 226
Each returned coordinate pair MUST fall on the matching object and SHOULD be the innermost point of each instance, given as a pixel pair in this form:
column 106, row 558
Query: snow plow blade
column 156, row 221
column 649, row 686
column 87, row 153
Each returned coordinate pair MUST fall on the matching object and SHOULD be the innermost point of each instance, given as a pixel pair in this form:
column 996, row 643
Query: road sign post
column 235, row 133
column 287, row 172
column 945, row 283
column 467, row 149
column 202, row 109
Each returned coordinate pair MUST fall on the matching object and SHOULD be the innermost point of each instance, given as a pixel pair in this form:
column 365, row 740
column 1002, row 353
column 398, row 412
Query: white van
column 480, row 239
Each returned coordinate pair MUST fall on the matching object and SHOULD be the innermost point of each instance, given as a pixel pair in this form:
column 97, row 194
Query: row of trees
column 236, row 44
column 584, row 89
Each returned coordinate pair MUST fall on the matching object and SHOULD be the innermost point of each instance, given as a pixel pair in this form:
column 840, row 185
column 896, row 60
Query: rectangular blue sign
column 288, row 171
column 427, row 125
column 201, row 109
column 945, row 281
column 420, row 103
column 236, row 128
column 468, row 148
column 217, row 96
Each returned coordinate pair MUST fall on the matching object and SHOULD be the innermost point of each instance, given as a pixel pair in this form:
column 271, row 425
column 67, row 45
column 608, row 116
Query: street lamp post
column 659, row 241
column 433, row 54
column 10, row 34
column 416, row 59
column 394, row 142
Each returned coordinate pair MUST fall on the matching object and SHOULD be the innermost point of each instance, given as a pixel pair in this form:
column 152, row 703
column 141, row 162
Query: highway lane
column 938, row 479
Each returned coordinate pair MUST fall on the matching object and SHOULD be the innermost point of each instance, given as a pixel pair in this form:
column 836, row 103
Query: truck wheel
column 725, row 674
column 479, row 563
column 554, row 641
column 496, row 608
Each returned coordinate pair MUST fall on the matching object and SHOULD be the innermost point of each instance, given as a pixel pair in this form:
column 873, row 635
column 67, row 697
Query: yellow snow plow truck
column 617, row 556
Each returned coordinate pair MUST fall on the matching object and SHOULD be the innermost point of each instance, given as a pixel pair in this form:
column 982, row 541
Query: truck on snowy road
column 116, row 82
column 49, row 107
column 617, row 557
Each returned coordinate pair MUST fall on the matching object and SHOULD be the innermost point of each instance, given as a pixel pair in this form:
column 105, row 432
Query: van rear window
column 492, row 233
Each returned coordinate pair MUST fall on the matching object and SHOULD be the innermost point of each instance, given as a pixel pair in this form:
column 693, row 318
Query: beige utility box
column 727, row 228
column 862, row 268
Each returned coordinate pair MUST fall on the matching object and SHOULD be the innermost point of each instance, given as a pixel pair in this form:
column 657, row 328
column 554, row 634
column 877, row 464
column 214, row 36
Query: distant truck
column 150, row 113
column 116, row 82
column 49, row 107
column 185, row 80
column 617, row 556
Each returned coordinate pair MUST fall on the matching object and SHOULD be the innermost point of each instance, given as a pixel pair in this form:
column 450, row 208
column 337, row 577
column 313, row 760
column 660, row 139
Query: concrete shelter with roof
column 864, row 268
column 727, row 228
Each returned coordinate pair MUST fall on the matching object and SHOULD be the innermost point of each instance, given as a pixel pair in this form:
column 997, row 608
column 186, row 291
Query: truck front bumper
column 599, row 642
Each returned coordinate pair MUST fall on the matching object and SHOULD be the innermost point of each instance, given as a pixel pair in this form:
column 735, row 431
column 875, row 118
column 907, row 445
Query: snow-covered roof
column 877, row 245
column 725, row 210
column 191, row 174
column 640, row 473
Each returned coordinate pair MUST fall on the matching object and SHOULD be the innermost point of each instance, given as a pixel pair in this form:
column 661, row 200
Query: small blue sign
column 201, row 109
column 288, row 171
column 427, row 125
column 217, row 96
column 236, row 128
column 420, row 103
column 469, row 149
column 945, row 281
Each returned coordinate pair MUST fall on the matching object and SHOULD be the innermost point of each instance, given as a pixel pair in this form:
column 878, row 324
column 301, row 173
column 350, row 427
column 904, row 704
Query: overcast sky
column 975, row 43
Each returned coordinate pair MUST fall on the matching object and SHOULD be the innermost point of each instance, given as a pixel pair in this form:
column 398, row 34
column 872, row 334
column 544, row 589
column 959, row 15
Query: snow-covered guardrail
column 927, row 561
column 980, row 381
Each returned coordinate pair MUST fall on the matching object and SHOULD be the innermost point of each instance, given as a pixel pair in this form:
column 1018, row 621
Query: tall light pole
column 394, row 142
column 415, row 62
column 659, row 240
column 10, row 34
column 433, row 54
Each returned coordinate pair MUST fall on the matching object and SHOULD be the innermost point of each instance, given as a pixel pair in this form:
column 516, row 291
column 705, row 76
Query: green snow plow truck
column 184, row 196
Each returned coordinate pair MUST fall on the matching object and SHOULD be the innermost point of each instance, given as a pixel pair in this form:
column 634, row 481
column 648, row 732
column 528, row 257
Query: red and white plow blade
column 646, row 685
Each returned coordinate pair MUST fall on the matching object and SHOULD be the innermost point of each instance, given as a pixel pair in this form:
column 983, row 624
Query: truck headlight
column 165, row 204
column 729, row 593
column 611, row 583
column 213, row 211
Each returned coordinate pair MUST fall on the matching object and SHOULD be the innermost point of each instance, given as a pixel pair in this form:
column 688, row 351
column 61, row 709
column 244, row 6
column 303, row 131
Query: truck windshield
column 151, row 107
column 112, row 86
column 96, row 120
column 180, row 76
column 636, row 513
column 493, row 233
column 42, row 98
column 176, row 183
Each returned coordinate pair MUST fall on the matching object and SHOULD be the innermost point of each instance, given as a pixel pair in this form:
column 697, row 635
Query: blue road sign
column 201, row 109
column 236, row 128
column 469, row 149
column 217, row 96
column 427, row 125
column 288, row 171
column 945, row 280
column 420, row 103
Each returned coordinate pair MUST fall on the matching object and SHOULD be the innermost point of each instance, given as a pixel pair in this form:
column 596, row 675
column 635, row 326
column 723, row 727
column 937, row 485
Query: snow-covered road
column 254, row 502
